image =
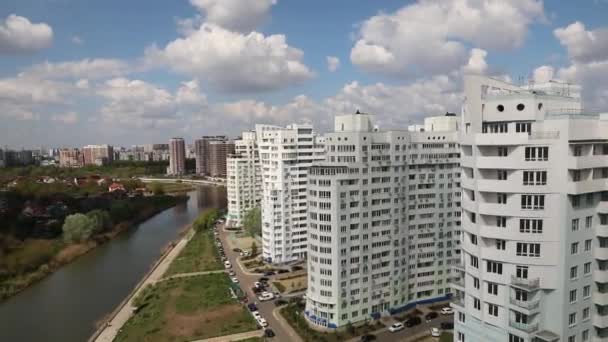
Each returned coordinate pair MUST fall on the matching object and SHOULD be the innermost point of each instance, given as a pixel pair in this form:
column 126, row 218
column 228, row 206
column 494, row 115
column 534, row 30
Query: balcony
column 458, row 302
column 602, row 207
column 586, row 186
column 601, row 230
column 600, row 298
column 531, row 306
column 459, row 266
column 458, row 284
column 600, row 321
column 525, row 327
column 587, row 162
column 600, row 253
column 600, row 276
column 527, row 284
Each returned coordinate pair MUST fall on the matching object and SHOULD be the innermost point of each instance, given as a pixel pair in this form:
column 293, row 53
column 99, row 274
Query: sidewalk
column 235, row 337
column 293, row 335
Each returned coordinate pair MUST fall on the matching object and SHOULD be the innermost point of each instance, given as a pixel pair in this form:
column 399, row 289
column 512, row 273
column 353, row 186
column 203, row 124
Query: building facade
column 244, row 179
column 286, row 153
column 2, row 161
column 98, row 154
column 70, row 157
column 211, row 153
column 535, row 215
column 177, row 157
column 384, row 216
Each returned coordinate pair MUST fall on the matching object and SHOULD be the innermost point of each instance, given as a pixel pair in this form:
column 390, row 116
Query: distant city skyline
column 74, row 74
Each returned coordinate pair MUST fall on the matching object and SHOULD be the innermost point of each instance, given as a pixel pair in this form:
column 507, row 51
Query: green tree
column 77, row 228
column 157, row 188
column 101, row 220
column 120, row 211
column 252, row 221
column 254, row 249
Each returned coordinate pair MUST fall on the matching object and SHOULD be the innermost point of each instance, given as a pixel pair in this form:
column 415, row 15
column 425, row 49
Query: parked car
column 257, row 284
column 263, row 279
column 447, row 311
column 282, row 271
column 256, row 315
column 269, row 333
column 235, row 280
column 231, row 273
column 396, row 327
column 238, row 250
column 368, row 338
column 269, row 273
column 227, row 264
column 447, row 325
column 431, row 315
column 412, row 321
column 266, row 296
column 299, row 268
column 257, row 289
column 435, row 332
column 262, row 322
column 252, row 307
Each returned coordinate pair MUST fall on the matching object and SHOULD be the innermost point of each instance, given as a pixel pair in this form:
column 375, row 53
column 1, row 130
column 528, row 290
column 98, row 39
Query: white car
column 447, row 311
column 266, row 296
column 396, row 327
column 227, row 264
column 256, row 315
column 262, row 322
column 257, row 284
column 435, row 332
column 235, row 280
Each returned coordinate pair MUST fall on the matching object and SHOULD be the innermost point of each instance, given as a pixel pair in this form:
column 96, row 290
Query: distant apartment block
column 244, row 178
column 286, row 153
column 98, row 154
column 384, row 219
column 211, row 153
column 2, row 161
column 70, row 157
column 177, row 157
column 535, row 215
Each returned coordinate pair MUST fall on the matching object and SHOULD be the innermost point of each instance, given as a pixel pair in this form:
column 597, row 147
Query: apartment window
column 493, row 267
column 501, row 244
column 501, row 221
column 461, row 337
column 586, row 291
column 474, row 261
column 503, row 151
column 521, row 295
column 476, row 304
column 588, row 222
column 534, row 226
column 586, row 313
column 476, row 283
column 585, row 336
column 574, row 248
column 523, row 127
column 493, row 310
column 473, row 218
column 461, row 317
column 537, row 153
column 528, row 249
column 535, row 178
column 493, row 288
column 474, row 239
column 533, row 202
column 575, row 224
column 587, row 245
column 572, row 338
column 521, row 272
column 573, row 272
column 587, row 268
column 577, row 151
column 513, row 338
column 572, row 319
column 501, row 174
column 572, row 296
column 501, row 198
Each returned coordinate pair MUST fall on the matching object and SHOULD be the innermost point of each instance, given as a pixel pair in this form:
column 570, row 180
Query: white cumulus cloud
column 584, row 45
column 235, row 15
column 333, row 63
column 19, row 35
column 97, row 68
column 232, row 61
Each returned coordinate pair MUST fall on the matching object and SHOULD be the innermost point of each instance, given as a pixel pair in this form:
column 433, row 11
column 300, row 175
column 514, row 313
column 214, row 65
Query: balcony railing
column 528, row 305
column 533, row 283
column 544, row 135
column 526, row 327
column 459, row 266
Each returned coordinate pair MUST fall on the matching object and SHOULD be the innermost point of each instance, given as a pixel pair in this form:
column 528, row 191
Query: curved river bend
column 65, row 305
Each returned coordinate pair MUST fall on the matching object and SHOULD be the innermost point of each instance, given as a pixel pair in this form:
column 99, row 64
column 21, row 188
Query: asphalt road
column 246, row 281
column 407, row 333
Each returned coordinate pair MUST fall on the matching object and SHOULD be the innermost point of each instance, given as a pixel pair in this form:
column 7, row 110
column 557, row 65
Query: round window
column 520, row 107
column 500, row 108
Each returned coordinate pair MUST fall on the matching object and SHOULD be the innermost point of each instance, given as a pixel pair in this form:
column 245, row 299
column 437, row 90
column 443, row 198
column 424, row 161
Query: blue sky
column 130, row 72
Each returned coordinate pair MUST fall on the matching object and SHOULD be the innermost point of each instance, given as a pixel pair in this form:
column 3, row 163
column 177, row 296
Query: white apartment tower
column 535, row 215
column 177, row 157
column 384, row 217
column 286, row 153
column 244, row 179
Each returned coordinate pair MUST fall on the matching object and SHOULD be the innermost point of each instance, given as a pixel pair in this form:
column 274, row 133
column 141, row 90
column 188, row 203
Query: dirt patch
column 180, row 325
column 71, row 252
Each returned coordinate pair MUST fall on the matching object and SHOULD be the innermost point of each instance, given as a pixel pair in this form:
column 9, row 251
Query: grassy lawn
column 294, row 284
column 294, row 315
column 173, row 187
column 200, row 254
column 186, row 309
column 446, row 337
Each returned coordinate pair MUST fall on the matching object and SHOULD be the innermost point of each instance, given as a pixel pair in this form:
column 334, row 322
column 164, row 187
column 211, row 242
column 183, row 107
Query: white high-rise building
column 384, row 217
column 535, row 215
column 177, row 157
column 286, row 153
column 244, row 180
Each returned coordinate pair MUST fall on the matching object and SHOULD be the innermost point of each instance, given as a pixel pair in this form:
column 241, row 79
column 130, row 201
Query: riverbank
column 57, row 254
